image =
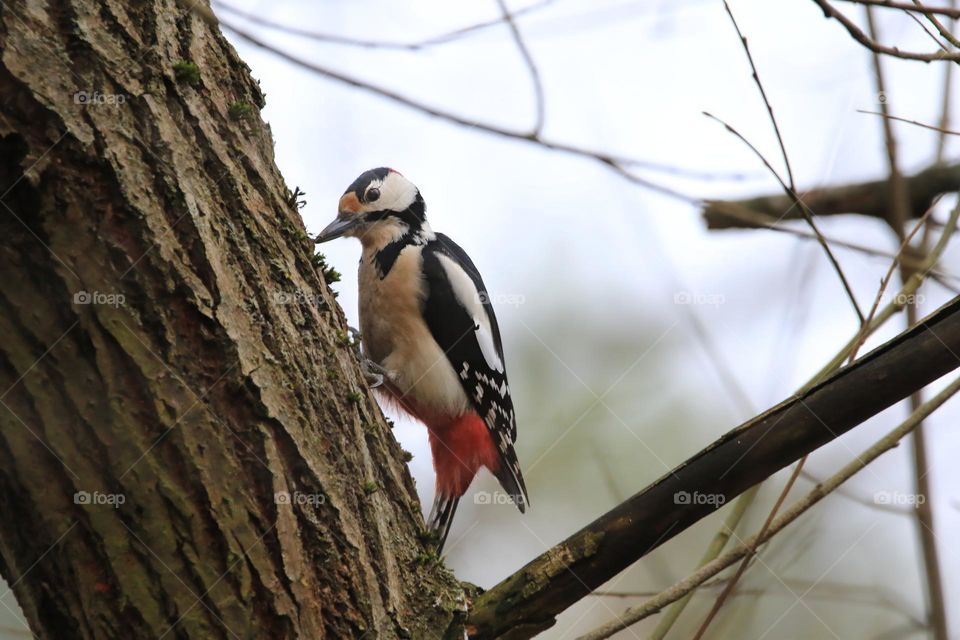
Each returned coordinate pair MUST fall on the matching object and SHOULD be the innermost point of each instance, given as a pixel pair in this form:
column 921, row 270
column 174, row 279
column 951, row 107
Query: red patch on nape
column 460, row 447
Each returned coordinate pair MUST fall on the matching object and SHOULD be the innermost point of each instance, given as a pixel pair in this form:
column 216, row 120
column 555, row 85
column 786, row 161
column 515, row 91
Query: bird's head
column 379, row 206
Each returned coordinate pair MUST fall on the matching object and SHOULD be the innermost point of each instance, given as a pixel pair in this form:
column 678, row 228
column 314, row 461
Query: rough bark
column 218, row 375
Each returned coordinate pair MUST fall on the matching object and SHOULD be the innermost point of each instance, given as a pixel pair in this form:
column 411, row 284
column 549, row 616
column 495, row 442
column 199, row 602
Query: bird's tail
column 441, row 517
column 510, row 477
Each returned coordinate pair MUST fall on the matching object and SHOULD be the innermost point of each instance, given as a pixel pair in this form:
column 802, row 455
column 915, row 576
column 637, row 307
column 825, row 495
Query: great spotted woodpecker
column 427, row 324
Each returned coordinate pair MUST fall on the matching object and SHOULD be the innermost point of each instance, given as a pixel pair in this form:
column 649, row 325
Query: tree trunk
column 187, row 446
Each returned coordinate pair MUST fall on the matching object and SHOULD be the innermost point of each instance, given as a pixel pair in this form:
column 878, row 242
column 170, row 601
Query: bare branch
column 804, row 210
column 831, row 12
column 752, row 219
column 743, row 502
column 865, row 198
column 635, row 614
column 950, row 12
column 562, row 575
column 763, row 94
column 899, row 212
column 565, row 573
column 861, row 500
column 946, row 94
column 531, row 66
column 450, row 36
column 732, row 583
column 904, row 245
column 618, row 164
column 913, row 122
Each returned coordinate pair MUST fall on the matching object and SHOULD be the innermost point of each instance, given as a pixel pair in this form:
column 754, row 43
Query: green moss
column 330, row 275
column 240, row 111
column 427, row 537
column 295, row 198
column 407, row 456
column 427, row 558
column 187, row 72
column 355, row 397
column 370, row 488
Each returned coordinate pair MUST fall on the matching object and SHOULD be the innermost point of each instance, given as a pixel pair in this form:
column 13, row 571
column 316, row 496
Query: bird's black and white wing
column 458, row 311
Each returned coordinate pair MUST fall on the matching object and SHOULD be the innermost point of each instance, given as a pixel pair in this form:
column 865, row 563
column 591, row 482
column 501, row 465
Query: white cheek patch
column 469, row 298
column 396, row 193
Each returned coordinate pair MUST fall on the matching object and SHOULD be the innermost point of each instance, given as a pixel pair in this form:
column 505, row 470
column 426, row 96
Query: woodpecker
column 427, row 324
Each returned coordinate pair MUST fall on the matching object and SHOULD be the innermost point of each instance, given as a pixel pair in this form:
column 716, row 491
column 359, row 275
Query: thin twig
column 848, row 352
column 717, row 545
column 798, row 508
column 945, row 98
column 530, row 64
column 926, row 30
column 799, row 468
column 443, row 38
column 899, row 210
column 763, row 95
column 857, row 34
column 950, row 12
column 620, row 164
column 616, row 163
column 913, row 122
column 743, row 502
column 949, row 37
column 898, row 303
column 727, row 591
column 867, row 595
column 760, row 220
column 803, row 208
column 898, row 215
column 861, row 500
column 904, row 245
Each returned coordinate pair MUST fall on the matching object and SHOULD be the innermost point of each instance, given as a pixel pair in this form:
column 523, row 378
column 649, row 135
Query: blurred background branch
column 743, row 457
column 634, row 615
column 870, row 198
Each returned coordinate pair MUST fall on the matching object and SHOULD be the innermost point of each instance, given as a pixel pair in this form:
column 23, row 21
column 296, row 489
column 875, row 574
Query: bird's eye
column 372, row 195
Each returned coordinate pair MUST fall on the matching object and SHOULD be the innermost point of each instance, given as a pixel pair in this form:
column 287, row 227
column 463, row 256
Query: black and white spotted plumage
column 458, row 311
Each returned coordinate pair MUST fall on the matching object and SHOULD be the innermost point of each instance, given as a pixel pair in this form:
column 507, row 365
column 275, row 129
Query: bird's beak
column 336, row 229
column 347, row 219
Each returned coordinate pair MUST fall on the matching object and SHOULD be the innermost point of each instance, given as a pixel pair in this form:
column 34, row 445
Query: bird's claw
column 374, row 373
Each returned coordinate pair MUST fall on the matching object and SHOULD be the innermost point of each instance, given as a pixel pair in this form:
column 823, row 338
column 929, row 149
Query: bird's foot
column 374, row 373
